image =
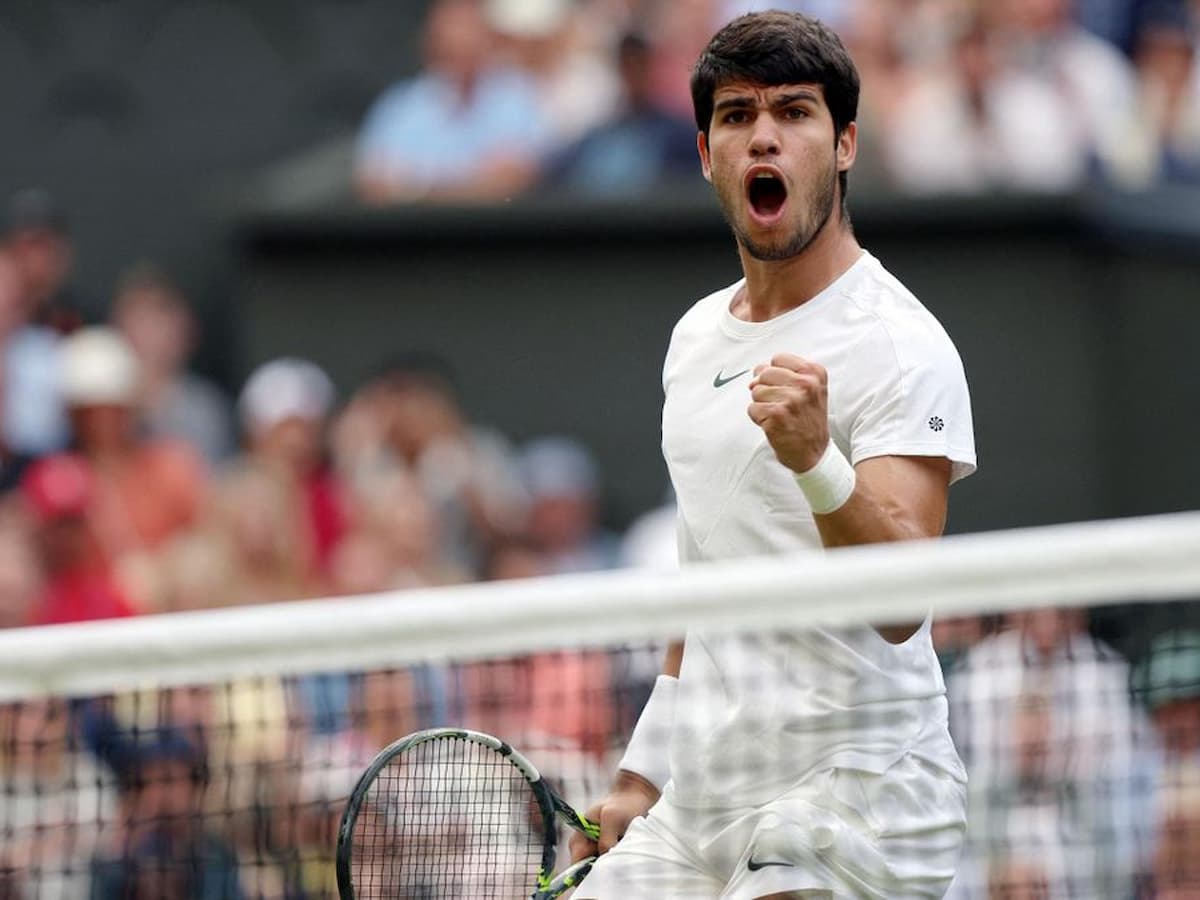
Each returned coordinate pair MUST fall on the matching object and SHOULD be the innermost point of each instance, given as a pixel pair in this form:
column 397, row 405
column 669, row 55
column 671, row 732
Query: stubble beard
column 820, row 212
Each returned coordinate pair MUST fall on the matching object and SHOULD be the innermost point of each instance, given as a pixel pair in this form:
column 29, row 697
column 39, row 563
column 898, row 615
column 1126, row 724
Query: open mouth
column 767, row 194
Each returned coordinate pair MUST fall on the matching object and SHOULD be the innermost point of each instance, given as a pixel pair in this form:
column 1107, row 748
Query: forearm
column 868, row 518
column 893, row 499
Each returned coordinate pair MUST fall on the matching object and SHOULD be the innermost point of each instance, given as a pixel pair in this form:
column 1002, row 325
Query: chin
column 775, row 249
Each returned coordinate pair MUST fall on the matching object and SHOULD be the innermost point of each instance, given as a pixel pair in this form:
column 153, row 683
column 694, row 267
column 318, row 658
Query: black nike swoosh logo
column 754, row 865
column 720, row 382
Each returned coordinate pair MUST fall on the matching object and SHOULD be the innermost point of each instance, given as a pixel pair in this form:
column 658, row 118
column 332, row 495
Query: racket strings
column 448, row 818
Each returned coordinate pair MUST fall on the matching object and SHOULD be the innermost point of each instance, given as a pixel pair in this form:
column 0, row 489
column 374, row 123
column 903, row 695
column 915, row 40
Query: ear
column 847, row 147
column 705, row 158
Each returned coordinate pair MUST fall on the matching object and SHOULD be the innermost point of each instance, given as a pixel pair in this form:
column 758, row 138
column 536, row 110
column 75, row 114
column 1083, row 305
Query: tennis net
column 210, row 754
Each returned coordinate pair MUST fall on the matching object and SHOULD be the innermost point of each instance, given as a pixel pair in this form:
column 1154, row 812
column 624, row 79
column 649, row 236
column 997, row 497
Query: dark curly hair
column 774, row 48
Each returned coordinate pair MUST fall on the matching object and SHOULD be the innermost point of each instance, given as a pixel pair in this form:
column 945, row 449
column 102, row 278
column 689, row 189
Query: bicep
column 910, row 489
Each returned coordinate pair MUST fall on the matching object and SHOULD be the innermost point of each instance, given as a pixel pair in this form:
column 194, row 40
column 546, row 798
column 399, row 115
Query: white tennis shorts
column 841, row 834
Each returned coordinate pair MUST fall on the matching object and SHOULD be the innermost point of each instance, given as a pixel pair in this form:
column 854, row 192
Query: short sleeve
column 913, row 398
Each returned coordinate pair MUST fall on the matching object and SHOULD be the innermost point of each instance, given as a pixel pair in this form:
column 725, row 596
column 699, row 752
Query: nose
column 764, row 140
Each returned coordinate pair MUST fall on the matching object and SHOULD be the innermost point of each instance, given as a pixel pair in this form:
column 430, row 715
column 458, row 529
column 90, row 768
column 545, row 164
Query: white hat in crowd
column 97, row 367
column 527, row 18
column 285, row 388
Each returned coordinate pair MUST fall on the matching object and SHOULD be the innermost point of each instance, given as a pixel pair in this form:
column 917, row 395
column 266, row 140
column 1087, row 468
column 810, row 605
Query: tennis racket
column 450, row 813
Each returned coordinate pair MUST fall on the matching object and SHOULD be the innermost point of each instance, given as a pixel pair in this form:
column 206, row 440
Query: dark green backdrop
column 1079, row 335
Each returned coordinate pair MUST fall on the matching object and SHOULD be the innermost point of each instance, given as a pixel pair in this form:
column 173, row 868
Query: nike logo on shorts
column 754, row 865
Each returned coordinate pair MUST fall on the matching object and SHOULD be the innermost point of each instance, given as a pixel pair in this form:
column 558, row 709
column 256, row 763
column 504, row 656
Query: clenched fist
column 790, row 403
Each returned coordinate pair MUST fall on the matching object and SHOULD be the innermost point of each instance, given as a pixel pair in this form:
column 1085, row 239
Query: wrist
column 828, row 485
column 646, row 753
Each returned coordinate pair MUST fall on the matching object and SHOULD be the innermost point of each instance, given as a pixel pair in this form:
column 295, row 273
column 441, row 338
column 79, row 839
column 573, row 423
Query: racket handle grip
column 565, row 880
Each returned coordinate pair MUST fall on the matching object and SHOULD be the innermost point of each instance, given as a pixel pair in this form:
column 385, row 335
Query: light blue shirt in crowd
column 34, row 420
column 424, row 131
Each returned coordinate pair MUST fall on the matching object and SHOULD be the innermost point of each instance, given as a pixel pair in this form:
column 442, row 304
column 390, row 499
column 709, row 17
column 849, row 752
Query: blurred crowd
column 958, row 96
column 1080, row 732
column 130, row 485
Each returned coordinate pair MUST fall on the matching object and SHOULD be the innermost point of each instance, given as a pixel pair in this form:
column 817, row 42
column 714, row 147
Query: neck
column 778, row 286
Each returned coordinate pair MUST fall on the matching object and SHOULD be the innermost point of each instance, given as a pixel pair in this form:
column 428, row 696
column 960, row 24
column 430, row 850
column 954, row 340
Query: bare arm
column 895, row 498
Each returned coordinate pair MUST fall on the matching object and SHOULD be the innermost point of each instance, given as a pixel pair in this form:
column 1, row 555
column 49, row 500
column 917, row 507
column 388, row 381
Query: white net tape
column 1083, row 564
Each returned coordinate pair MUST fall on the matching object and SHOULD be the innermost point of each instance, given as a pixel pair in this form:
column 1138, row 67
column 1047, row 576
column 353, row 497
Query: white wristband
column 646, row 753
column 828, row 484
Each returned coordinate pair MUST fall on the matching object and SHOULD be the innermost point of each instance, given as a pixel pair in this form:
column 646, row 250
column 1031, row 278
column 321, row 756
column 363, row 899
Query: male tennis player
column 815, row 403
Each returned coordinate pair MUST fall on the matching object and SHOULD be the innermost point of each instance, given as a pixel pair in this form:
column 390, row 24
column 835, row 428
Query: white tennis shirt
column 756, row 714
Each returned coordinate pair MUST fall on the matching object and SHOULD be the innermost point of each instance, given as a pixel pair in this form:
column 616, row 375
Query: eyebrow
column 743, row 102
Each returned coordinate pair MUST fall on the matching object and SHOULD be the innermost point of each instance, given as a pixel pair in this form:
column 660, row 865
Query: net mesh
column 211, row 754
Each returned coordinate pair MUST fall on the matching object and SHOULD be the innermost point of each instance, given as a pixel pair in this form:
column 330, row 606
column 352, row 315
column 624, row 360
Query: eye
column 796, row 112
column 735, row 117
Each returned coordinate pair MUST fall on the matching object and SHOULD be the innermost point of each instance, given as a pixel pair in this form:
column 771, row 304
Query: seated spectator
column 1167, row 681
column 564, row 489
column 974, row 123
column 58, row 493
column 1027, row 852
column 1091, row 79
column 249, row 734
column 1042, row 718
column 409, row 415
column 253, row 546
column 162, row 846
column 145, row 491
column 1162, row 140
column 465, row 128
column 154, row 317
column 642, row 146
column 284, row 408
column 394, row 534
column 57, row 801
column 542, row 39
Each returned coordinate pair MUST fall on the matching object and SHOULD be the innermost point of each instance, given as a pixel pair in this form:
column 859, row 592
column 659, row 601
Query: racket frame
column 552, row 807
